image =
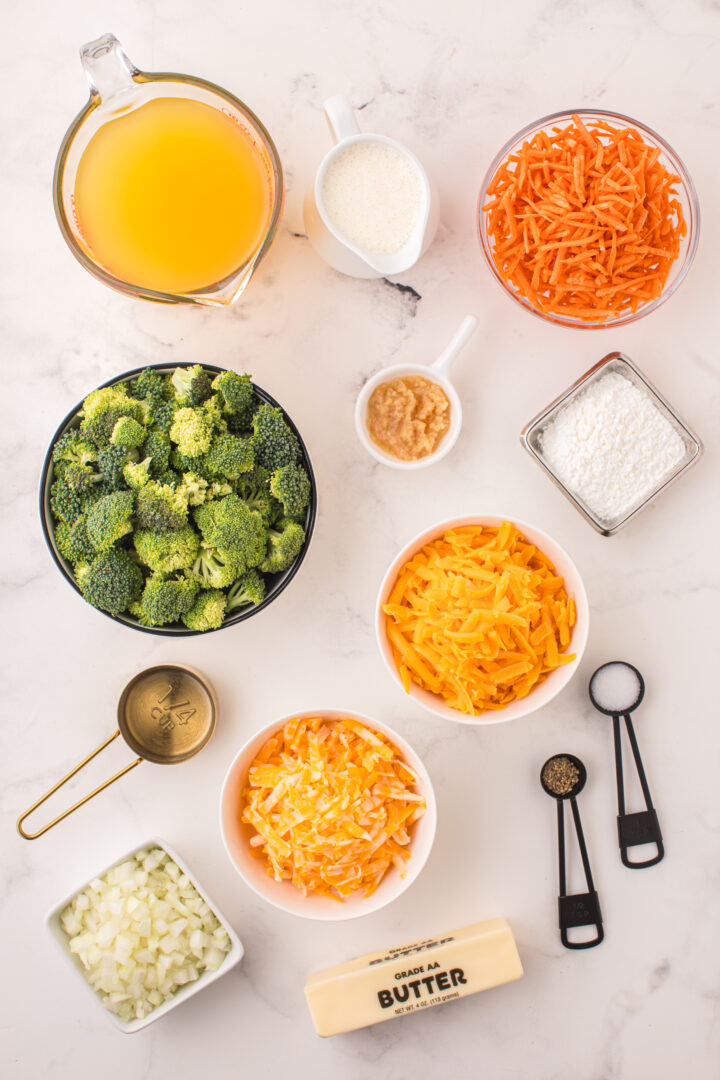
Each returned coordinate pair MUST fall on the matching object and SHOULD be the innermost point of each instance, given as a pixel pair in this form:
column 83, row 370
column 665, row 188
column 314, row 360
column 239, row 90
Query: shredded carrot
column 479, row 617
column 332, row 806
column 595, row 197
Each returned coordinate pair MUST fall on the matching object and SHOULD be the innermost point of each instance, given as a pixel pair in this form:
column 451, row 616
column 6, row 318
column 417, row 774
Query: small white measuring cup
column 437, row 372
column 330, row 244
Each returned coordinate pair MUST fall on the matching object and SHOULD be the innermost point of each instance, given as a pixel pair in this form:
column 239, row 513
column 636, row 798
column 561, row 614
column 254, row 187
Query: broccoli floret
column 165, row 600
column 157, row 448
column 215, row 569
column 192, row 384
column 248, row 589
column 195, row 488
column 192, row 431
column 112, row 581
column 238, row 398
column 111, row 462
column 71, row 495
column 81, row 478
column 149, row 383
column 109, row 519
column 161, row 507
column 137, row 473
column 230, row 526
column 103, row 408
column 73, row 542
column 291, row 485
column 74, row 448
column 229, row 457
column 167, row 551
column 159, row 414
column 128, row 432
column 285, row 541
column 275, row 444
column 254, row 489
column 217, row 489
column 208, row 611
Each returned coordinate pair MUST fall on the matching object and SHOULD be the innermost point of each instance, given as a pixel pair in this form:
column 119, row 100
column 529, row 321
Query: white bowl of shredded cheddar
column 328, row 814
column 482, row 619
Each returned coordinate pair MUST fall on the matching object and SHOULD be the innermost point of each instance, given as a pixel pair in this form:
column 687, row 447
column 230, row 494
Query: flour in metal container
column 611, row 446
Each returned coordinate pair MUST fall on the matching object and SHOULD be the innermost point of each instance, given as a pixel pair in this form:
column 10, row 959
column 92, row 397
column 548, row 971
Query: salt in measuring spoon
column 563, row 776
column 616, row 689
column 438, row 372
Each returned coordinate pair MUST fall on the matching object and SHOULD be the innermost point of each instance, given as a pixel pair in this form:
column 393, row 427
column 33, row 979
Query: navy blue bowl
column 276, row 583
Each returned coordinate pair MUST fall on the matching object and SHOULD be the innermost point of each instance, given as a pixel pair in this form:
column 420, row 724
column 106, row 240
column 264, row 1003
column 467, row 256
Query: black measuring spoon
column 616, row 689
column 563, row 776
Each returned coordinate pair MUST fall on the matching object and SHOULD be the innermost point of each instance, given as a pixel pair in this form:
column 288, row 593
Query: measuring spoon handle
column 579, row 909
column 32, row 836
column 642, row 827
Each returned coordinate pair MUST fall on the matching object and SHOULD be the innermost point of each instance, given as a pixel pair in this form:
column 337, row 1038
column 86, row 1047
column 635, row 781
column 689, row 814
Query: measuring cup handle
column 107, row 67
column 32, row 836
column 460, row 339
column 341, row 118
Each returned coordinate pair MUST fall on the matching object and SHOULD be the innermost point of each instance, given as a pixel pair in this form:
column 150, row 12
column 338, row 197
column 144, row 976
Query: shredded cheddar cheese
column 479, row 617
column 331, row 804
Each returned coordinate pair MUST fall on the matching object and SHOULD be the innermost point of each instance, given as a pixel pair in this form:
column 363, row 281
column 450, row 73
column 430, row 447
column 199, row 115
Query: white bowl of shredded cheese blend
column 371, row 211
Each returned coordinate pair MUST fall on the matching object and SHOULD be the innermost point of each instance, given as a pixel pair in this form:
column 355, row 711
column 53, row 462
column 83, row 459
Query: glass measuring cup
column 117, row 88
column 166, row 714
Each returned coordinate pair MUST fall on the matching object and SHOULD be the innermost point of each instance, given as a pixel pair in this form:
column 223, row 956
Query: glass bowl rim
column 687, row 185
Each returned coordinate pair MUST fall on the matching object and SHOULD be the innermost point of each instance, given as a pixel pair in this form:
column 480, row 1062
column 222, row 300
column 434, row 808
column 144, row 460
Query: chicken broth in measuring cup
column 173, row 196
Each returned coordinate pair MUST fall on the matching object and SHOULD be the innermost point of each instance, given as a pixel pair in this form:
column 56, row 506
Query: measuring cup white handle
column 464, row 332
column 341, row 118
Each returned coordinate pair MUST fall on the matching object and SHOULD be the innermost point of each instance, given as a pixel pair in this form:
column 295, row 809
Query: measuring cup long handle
column 80, row 802
column 463, row 334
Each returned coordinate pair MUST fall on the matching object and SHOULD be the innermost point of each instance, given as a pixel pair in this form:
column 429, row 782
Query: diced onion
column 141, row 932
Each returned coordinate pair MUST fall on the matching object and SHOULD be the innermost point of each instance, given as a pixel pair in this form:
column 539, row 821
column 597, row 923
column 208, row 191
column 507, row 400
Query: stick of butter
column 408, row 979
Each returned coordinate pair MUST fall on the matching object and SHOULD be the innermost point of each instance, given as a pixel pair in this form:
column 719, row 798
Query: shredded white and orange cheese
column 479, row 617
column 332, row 805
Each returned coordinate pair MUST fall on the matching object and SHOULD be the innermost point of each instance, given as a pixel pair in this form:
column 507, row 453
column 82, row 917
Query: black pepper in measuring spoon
column 563, row 776
column 616, row 689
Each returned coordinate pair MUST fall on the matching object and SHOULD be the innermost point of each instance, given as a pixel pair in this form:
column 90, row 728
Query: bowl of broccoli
column 178, row 499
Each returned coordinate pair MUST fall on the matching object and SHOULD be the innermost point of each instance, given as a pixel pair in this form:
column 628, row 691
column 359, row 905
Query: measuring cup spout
column 108, row 68
column 463, row 334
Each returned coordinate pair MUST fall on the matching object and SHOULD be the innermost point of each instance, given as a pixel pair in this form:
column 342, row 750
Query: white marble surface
column 453, row 81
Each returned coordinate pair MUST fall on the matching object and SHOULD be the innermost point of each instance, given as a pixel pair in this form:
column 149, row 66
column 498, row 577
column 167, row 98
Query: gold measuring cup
column 117, row 87
column 166, row 714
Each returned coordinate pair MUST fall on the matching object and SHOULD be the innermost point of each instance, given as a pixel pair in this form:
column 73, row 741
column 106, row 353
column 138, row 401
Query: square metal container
column 617, row 362
column 233, row 957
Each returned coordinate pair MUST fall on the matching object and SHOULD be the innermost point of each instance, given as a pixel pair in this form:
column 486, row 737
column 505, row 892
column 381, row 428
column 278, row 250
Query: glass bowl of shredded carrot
column 588, row 219
column 482, row 619
column 328, row 814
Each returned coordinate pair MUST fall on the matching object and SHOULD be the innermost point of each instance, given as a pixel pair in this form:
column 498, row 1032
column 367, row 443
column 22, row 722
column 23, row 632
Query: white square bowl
column 233, row 957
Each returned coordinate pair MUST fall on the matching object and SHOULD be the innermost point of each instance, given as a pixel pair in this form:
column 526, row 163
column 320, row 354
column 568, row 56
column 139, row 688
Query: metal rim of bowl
column 124, row 619
column 693, row 224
